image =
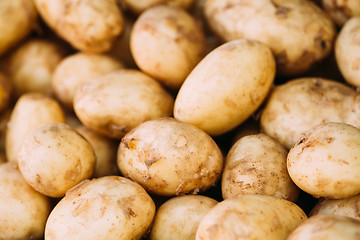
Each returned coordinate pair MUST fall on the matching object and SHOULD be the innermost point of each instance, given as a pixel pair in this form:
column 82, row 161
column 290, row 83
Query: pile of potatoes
column 179, row 119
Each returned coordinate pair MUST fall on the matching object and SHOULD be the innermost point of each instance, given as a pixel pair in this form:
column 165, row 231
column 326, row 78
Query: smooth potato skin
column 226, row 87
column 324, row 162
column 251, row 217
column 110, row 207
column 168, row 157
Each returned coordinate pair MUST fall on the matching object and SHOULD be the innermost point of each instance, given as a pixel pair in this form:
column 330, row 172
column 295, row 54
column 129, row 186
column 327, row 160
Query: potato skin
column 168, row 157
column 179, row 217
column 329, row 227
column 17, row 19
column 54, row 158
column 256, row 164
column 167, row 43
column 300, row 104
column 5, row 92
column 347, row 50
column 324, row 162
column 341, row 11
column 115, row 103
column 24, row 211
column 298, row 32
column 110, row 207
column 88, row 25
column 226, row 87
column 251, row 217
column 137, row 7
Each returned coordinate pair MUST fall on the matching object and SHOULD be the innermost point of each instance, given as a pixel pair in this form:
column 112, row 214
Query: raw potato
column 30, row 67
column 105, row 151
column 137, row 7
column 327, row 227
column 298, row 32
column 167, row 43
column 30, row 111
column 17, row 19
column 78, row 69
column 340, row 11
column 256, row 164
column 54, row 158
column 115, row 103
column 179, row 217
column 168, row 157
column 251, row 217
column 107, row 208
column 347, row 207
column 347, row 51
column 5, row 92
column 24, row 211
column 90, row 26
column 300, row 104
column 226, row 87
column 324, row 162
column 4, row 119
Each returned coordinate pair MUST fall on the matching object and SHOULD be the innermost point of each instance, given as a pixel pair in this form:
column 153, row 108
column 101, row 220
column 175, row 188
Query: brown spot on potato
column 150, row 162
column 281, row 58
column 129, row 213
column 320, row 42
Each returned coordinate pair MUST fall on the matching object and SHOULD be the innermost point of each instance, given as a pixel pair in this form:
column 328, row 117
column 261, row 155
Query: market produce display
column 179, row 119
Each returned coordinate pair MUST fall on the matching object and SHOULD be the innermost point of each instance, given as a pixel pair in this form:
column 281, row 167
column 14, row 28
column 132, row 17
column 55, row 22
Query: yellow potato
column 341, row 11
column 137, row 7
column 54, row 158
column 168, row 157
column 226, row 87
column 108, row 208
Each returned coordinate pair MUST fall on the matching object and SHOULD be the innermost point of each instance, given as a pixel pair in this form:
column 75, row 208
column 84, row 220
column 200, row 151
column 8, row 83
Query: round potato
column 77, row 69
column 179, row 217
column 137, row 7
column 30, row 67
column 300, row 104
column 340, row 11
column 226, row 87
column 256, row 164
column 168, row 157
column 90, row 26
column 115, row 103
column 251, row 217
column 107, row 208
column 54, row 158
column 17, row 19
column 328, row 227
column 298, row 32
column 105, row 152
column 347, row 51
column 24, row 211
column 5, row 92
column 347, row 207
column 167, row 43
column 324, row 162
column 31, row 110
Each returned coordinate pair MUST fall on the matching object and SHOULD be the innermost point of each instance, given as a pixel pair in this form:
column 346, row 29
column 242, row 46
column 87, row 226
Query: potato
column 77, row 69
column 115, row 103
column 30, row 111
column 251, row 217
column 110, row 207
column 328, row 227
column 90, row 26
column 324, row 162
column 179, row 217
column 347, row 51
column 167, row 43
column 4, row 120
column 54, row 158
column 340, row 11
column 168, row 157
column 137, row 7
column 17, row 19
column 298, row 32
column 105, row 151
column 347, row 207
column 256, row 164
column 30, row 67
column 24, row 211
column 5, row 92
column 300, row 104
column 226, row 87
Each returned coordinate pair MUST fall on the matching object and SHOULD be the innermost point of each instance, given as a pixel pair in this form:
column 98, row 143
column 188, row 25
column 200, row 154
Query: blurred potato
column 5, row 92
column 341, row 11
